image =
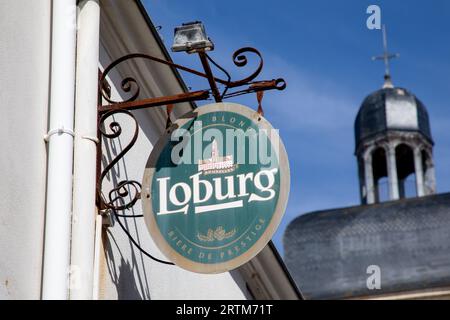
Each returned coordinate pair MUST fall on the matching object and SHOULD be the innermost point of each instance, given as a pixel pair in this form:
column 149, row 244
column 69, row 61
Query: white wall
column 24, row 79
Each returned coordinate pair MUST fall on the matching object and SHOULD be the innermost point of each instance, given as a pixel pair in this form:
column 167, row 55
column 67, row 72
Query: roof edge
column 381, row 204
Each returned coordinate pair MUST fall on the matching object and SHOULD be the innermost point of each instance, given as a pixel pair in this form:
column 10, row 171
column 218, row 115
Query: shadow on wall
column 242, row 284
column 126, row 286
column 122, row 276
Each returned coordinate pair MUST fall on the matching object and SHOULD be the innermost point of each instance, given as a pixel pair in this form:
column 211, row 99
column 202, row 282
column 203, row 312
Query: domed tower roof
column 393, row 140
column 394, row 109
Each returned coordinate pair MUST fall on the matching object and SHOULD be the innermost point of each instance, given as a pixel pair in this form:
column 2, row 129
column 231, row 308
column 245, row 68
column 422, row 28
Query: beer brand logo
column 215, row 188
column 216, row 164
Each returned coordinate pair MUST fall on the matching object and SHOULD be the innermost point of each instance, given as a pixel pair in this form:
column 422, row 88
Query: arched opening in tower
column 406, row 175
column 380, row 174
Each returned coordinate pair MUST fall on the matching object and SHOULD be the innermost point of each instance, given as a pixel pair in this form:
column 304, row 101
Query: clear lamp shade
column 191, row 37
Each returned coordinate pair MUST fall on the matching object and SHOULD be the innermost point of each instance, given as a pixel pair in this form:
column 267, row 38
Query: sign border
column 147, row 180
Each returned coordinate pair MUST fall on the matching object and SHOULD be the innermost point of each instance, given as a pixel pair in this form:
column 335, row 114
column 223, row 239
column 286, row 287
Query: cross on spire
column 386, row 57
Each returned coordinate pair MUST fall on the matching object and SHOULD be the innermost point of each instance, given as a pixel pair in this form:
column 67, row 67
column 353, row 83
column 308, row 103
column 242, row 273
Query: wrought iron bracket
column 126, row 193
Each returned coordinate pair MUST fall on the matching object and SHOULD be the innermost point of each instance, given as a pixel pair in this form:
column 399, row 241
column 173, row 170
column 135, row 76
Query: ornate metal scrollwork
column 131, row 86
column 240, row 60
column 127, row 192
column 120, row 197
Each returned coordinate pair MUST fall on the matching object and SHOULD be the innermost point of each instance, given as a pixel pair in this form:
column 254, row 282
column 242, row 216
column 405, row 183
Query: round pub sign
column 215, row 188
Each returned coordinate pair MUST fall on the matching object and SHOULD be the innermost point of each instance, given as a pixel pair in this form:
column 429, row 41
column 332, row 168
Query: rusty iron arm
column 156, row 102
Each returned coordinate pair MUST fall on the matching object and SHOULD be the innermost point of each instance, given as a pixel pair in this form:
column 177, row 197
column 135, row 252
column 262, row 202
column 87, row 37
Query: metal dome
column 391, row 109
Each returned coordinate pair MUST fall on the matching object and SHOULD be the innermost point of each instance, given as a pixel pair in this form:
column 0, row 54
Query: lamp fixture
column 191, row 37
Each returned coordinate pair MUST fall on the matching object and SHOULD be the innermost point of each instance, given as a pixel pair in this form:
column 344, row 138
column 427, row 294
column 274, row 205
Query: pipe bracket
column 59, row 131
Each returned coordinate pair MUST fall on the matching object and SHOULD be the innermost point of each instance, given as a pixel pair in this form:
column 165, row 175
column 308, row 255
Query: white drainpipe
column 60, row 154
column 84, row 209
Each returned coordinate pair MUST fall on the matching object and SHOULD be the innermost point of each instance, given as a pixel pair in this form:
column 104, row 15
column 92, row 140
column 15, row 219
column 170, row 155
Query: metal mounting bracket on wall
column 125, row 194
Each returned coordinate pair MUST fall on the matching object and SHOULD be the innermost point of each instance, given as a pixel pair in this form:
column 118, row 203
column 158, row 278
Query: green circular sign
column 215, row 188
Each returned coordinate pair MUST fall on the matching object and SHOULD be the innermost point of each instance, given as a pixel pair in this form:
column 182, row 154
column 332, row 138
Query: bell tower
column 394, row 146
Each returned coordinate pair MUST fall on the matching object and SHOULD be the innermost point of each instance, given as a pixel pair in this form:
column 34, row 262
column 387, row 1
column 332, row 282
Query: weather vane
column 386, row 57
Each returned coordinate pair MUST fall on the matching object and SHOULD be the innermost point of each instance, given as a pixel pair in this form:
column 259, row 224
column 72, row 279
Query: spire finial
column 386, row 57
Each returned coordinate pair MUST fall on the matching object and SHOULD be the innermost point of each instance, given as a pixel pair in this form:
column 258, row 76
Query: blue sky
column 323, row 50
